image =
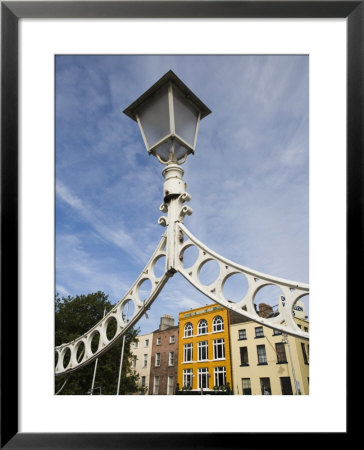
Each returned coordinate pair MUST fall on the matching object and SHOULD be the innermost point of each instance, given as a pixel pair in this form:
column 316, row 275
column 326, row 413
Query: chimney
column 265, row 310
column 166, row 322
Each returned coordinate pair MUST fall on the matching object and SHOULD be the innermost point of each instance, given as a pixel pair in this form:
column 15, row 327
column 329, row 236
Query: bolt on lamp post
column 168, row 115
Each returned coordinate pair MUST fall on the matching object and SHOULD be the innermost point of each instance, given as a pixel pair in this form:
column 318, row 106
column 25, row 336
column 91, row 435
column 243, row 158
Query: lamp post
column 168, row 115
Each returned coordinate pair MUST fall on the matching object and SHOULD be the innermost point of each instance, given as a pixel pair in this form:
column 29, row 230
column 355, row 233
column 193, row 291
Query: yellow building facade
column 204, row 349
column 265, row 361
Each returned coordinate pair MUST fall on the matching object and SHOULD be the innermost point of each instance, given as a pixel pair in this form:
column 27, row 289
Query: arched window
column 188, row 329
column 202, row 327
column 218, row 324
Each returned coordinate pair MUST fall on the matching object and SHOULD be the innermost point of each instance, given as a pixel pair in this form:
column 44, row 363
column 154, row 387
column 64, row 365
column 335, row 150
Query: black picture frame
column 11, row 12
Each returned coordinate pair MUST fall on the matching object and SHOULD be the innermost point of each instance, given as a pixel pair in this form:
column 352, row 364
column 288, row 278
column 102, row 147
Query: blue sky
column 248, row 178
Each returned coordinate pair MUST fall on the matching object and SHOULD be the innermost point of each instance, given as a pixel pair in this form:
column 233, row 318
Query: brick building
column 163, row 368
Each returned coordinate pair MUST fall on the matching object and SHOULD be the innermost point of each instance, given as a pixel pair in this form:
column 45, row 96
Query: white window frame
column 219, row 343
column 159, row 341
column 186, row 349
column 217, row 372
column 203, row 372
column 171, row 339
column 171, row 359
column 218, row 324
column 145, row 360
column 156, row 385
column 262, row 355
column 202, row 327
column 259, row 332
column 188, row 330
column 157, row 360
column 146, row 344
column 133, row 361
column 201, row 346
column 187, row 377
column 170, row 385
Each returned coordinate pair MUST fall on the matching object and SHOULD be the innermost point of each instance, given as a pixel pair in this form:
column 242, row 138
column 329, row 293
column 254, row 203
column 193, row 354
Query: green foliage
column 74, row 316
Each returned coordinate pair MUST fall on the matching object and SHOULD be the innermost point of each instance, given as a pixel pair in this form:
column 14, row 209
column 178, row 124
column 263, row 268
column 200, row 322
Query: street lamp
column 168, row 115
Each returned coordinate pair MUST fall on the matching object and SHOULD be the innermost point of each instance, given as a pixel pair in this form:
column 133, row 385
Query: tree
column 74, row 316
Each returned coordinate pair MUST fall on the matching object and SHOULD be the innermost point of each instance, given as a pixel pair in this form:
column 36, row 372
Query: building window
column 281, row 353
column 171, row 339
column 276, row 332
column 135, row 344
column 203, row 378
column 187, row 377
column 306, row 329
column 156, row 385
column 188, row 329
column 145, row 360
column 247, row 389
column 262, row 356
column 171, row 359
column 286, row 386
column 202, row 327
column 218, row 324
column 244, row 360
column 305, row 358
column 259, row 332
column 157, row 359
column 219, row 349
column 242, row 334
column 159, row 341
column 265, row 386
column 220, row 376
column 187, row 352
column 170, row 384
column 202, row 350
column 146, row 343
column 143, row 381
column 133, row 362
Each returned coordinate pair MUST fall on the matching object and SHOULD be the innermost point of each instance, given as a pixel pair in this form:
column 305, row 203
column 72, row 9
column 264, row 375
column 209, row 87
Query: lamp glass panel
column 185, row 117
column 179, row 150
column 164, row 151
column 154, row 116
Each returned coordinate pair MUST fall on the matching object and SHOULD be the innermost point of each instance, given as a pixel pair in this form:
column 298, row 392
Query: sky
column 248, row 178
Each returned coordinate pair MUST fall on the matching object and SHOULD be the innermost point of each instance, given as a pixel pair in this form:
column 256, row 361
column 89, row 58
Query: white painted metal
column 171, row 110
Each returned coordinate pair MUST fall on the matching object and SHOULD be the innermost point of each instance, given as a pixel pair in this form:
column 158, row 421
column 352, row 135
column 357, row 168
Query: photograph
column 181, row 187
column 182, row 224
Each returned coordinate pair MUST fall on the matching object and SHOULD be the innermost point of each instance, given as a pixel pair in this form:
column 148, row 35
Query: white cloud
column 116, row 236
